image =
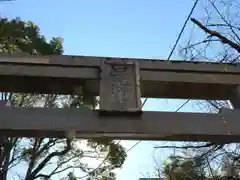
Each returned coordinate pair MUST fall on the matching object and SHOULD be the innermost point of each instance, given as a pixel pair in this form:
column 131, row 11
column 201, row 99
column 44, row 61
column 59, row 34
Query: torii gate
column 120, row 82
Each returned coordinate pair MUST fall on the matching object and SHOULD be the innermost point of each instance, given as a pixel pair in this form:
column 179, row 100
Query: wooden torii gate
column 120, row 82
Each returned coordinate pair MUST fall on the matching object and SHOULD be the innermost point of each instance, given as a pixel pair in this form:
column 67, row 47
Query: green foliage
column 116, row 155
column 20, row 36
column 182, row 169
column 71, row 176
column 198, row 167
column 116, row 149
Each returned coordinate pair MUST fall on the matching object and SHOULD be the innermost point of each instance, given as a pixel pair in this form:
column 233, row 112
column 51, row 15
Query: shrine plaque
column 120, row 86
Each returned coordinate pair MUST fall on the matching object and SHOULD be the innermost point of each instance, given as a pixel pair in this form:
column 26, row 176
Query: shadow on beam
column 148, row 137
column 159, row 79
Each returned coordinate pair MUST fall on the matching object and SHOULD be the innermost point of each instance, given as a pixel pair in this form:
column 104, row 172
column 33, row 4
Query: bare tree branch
column 217, row 34
column 36, row 145
column 48, row 158
column 229, row 25
column 56, row 171
column 224, row 25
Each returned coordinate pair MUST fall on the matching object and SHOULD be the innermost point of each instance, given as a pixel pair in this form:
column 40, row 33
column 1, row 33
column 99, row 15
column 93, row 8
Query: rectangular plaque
column 120, row 86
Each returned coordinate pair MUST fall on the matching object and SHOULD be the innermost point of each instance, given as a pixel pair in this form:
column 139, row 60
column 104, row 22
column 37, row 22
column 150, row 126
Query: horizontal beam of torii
column 55, row 122
column 158, row 79
column 120, row 82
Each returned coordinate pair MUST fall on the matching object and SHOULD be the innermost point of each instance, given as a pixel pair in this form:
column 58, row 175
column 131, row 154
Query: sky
column 126, row 28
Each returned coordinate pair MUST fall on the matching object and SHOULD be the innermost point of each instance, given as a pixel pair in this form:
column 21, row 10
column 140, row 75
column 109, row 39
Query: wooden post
column 120, row 87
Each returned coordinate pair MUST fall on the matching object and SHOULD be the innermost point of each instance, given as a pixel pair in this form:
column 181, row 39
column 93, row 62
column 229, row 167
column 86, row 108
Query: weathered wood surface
column 119, row 86
column 235, row 97
column 94, row 61
column 158, row 79
column 43, row 122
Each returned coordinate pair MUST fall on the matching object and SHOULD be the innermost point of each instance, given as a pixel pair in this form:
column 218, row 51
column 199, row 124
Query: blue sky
column 124, row 28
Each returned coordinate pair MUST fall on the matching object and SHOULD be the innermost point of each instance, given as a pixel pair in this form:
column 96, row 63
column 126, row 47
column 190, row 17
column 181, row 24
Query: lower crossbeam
column 169, row 126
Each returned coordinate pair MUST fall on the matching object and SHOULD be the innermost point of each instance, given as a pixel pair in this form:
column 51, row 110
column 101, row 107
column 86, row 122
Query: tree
column 179, row 168
column 198, row 167
column 218, row 30
column 220, row 41
column 215, row 38
column 47, row 157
